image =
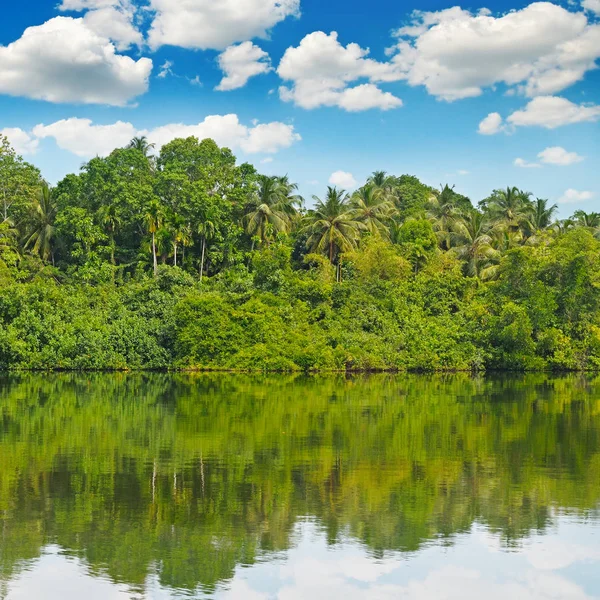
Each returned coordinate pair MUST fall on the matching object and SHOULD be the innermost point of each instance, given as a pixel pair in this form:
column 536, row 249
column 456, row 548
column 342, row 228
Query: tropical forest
column 181, row 258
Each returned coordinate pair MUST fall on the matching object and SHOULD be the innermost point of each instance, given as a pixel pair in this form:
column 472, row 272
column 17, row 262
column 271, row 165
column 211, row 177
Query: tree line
column 220, row 235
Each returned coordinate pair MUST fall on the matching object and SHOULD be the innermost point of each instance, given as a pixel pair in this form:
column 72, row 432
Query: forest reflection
column 187, row 477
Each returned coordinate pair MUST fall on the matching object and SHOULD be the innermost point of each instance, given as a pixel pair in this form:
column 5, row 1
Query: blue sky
column 477, row 95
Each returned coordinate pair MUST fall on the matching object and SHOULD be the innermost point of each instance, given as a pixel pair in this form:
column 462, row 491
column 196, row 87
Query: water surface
column 222, row 486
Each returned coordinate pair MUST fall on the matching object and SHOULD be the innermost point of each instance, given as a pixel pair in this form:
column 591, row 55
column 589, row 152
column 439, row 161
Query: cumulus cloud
column 116, row 24
column 552, row 112
column 321, row 69
column 240, row 63
column 523, row 164
column 491, row 125
column 64, row 60
column 207, row 24
column 556, row 155
column 20, row 140
column 342, row 179
column 592, row 6
column 113, row 19
column 572, row 196
column 539, row 50
column 549, row 112
column 83, row 138
column 86, row 139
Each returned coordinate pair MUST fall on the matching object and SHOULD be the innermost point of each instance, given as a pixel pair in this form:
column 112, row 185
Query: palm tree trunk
column 154, row 254
column 174, row 255
column 202, row 258
column 330, row 250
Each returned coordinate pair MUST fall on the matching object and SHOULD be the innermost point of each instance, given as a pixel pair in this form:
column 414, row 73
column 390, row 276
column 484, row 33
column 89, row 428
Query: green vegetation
column 191, row 475
column 185, row 259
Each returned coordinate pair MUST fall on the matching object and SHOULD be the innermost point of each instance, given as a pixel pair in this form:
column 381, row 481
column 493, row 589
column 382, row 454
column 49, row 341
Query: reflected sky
column 561, row 564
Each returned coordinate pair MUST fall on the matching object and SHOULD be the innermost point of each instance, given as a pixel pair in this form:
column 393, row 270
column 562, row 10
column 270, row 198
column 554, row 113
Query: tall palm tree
column 540, row 218
column 472, row 242
column 154, row 219
column 110, row 218
column 142, row 144
column 583, row 219
column 379, row 179
column 371, row 206
column 442, row 212
column 332, row 225
column 39, row 237
column 272, row 209
column 207, row 230
column 510, row 208
column 590, row 221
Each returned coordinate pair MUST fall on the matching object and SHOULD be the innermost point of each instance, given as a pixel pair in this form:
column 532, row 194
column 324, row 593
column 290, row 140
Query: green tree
column 154, row 217
column 19, row 184
column 41, row 232
column 332, row 226
column 272, row 209
column 371, row 207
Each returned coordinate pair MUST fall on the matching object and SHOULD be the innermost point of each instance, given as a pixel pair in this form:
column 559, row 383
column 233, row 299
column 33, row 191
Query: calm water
column 164, row 487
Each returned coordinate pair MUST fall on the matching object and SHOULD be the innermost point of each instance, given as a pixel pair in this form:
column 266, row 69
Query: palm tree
column 142, row 144
column 510, row 208
column 39, row 238
column 154, row 218
column 332, row 225
column 110, row 218
column 590, row 220
column 370, row 206
column 472, row 242
column 379, row 179
column 541, row 217
column 207, row 230
column 272, row 209
column 180, row 234
column 442, row 212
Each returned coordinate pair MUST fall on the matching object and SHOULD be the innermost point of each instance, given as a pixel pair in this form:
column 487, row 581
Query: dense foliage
column 185, row 259
column 189, row 476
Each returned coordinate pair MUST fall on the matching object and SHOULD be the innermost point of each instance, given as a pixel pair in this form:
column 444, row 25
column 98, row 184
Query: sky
column 480, row 96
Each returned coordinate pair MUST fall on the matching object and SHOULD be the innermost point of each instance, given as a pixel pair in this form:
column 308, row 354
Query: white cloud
column 572, row 196
column 240, row 63
column 113, row 19
column 64, row 60
column 165, row 69
column 210, row 24
column 342, row 179
column 541, row 49
column 321, row 69
column 83, row 138
column 266, row 161
column 269, row 138
column 463, row 172
column 556, row 155
column 523, row 164
column 116, row 25
column 552, row 112
column 491, row 125
column 365, row 97
column 592, row 6
column 20, row 140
